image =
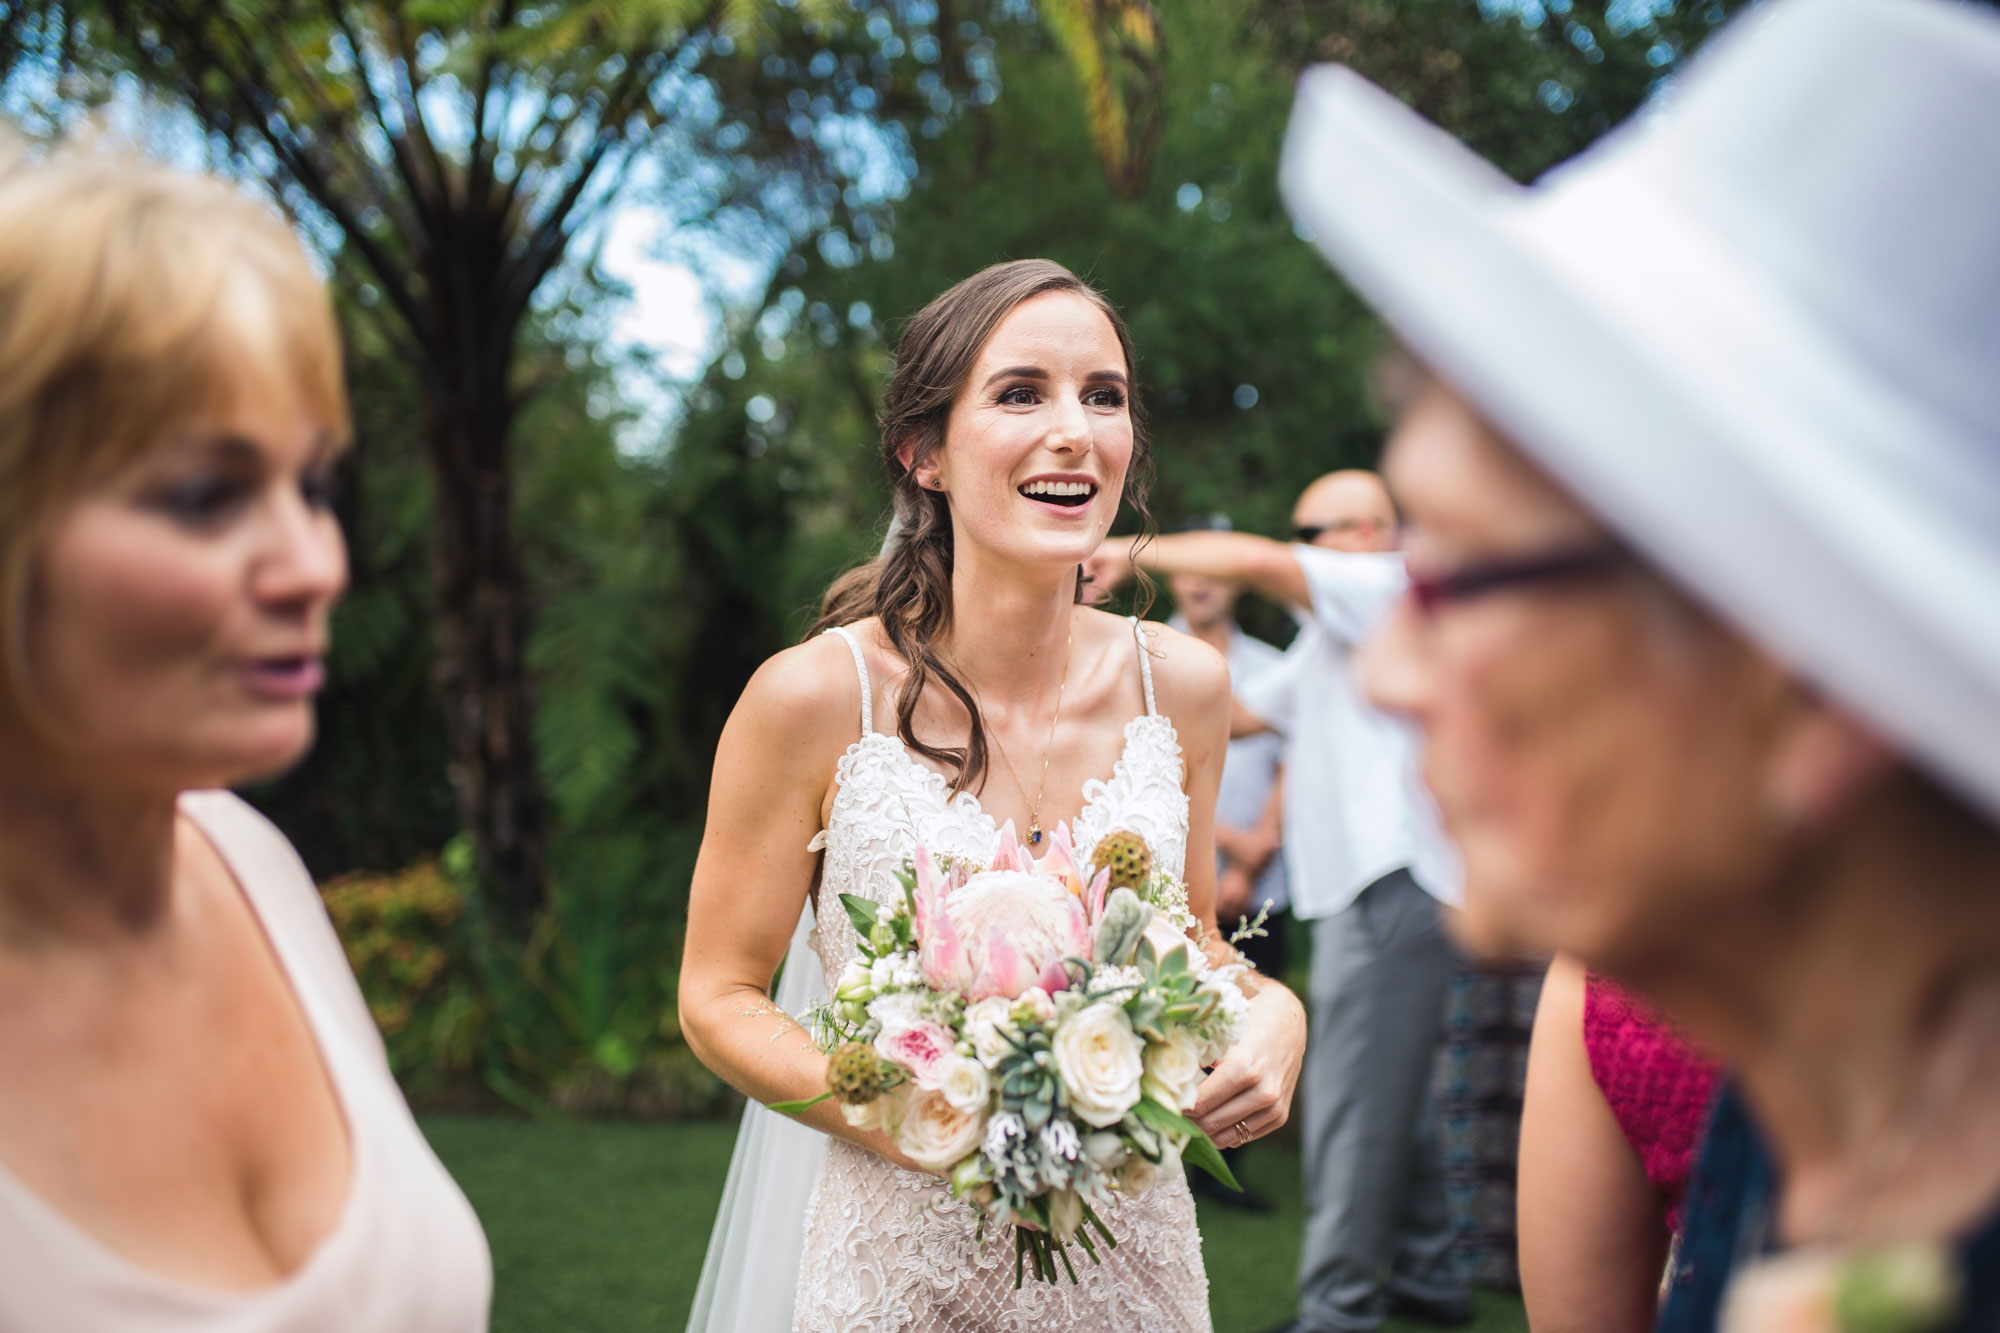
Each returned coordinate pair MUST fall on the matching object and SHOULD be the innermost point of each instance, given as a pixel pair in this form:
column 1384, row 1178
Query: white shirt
column 1250, row 766
column 1355, row 804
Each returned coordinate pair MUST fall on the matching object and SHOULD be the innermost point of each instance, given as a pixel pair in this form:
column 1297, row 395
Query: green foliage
column 397, row 931
column 1258, row 367
column 1526, row 83
column 373, row 794
column 1219, row 295
column 1200, row 1150
column 580, row 1017
column 1139, row 147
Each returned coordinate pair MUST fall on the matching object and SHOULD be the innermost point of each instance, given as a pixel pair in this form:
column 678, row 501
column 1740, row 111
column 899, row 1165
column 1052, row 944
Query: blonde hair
column 134, row 299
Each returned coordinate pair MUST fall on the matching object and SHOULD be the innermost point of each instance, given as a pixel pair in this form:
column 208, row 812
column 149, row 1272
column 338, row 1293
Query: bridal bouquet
column 1034, row 1031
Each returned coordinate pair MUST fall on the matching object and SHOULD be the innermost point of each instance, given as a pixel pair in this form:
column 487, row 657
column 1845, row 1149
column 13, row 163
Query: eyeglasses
column 1432, row 591
column 1308, row 533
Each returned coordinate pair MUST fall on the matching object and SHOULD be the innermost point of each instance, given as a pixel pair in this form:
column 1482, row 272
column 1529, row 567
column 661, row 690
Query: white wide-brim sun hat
column 1756, row 330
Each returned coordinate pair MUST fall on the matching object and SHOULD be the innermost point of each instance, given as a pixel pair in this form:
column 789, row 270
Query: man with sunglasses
column 1368, row 867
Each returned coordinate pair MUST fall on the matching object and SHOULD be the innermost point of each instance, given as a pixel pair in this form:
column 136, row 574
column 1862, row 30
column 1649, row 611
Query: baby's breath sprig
column 1251, row 928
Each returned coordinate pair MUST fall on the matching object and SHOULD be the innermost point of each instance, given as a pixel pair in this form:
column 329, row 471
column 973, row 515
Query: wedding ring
column 1242, row 1134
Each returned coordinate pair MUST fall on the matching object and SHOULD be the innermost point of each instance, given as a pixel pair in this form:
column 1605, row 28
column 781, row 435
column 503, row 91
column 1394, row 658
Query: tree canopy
column 551, row 614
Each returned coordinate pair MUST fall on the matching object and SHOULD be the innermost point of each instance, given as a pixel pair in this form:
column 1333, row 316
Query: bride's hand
column 1250, row 1093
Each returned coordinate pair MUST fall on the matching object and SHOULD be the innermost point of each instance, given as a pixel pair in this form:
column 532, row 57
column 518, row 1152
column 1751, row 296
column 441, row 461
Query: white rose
column 935, row 1134
column 1098, row 1057
column 963, row 1083
column 1173, row 1070
column 987, row 1023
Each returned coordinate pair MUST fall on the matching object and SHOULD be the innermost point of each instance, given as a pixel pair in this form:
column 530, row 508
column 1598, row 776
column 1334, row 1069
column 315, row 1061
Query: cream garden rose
column 1173, row 1070
column 986, row 1025
column 935, row 1134
column 1098, row 1056
column 964, row 1083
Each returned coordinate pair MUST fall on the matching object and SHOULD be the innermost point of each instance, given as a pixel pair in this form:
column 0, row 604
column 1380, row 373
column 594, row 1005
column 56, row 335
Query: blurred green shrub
column 398, row 933
column 580, row 1018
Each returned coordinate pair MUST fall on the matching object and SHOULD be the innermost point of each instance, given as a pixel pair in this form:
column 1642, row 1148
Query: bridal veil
column 752, row 1266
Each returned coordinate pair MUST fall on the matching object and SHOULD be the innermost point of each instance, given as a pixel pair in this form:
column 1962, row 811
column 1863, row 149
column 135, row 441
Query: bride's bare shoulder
column 807, row 694
column 1189, row 677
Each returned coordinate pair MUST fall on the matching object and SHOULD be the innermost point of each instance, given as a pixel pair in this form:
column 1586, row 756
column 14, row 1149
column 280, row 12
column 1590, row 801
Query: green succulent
column 1028, row 1083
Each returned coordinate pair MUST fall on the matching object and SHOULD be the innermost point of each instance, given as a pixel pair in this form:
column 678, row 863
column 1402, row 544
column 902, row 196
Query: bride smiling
column 960, row 685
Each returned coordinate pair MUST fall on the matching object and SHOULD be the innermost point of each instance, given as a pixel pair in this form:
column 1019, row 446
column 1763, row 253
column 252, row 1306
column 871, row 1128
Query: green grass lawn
column 603, row 1226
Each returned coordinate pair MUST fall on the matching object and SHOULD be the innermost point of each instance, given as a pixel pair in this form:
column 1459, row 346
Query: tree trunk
column 482, row 633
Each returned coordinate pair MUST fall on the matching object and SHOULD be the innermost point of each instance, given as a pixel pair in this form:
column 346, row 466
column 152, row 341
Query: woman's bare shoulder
column 1188, row 675
column 809, row 692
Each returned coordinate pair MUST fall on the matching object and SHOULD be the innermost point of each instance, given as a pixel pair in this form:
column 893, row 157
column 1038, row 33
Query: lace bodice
column 888, row 1250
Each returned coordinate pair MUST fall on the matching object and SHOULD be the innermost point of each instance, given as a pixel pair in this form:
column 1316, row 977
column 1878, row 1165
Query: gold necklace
column 1035, row 814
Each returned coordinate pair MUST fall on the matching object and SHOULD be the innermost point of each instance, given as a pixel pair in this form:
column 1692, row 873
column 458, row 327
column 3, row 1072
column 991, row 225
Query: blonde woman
column 198, row 1128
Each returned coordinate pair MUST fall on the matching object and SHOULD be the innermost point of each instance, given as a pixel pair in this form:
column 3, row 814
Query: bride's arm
column 773, row 769
column 1253, row 1085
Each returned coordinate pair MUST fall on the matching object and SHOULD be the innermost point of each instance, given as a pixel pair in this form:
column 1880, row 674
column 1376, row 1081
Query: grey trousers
column 1376, row 1223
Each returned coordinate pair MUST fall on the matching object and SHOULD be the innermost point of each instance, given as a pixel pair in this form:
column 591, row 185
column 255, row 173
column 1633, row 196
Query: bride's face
column 1037, row 444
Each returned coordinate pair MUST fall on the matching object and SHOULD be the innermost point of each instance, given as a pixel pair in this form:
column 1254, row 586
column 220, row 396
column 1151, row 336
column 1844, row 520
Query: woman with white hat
column 1704, row 624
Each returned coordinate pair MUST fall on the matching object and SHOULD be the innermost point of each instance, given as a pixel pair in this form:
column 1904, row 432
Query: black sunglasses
column 1432, row 591
column 1307, row 533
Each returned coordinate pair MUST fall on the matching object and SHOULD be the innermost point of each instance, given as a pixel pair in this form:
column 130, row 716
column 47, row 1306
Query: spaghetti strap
column 1145, row 665
column 868, row 691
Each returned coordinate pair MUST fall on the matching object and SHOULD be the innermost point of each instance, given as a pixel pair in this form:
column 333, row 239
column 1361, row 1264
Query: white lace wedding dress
column 888, row 1250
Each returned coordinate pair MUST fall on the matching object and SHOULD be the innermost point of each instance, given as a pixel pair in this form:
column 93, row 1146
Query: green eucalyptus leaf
column 862, row 912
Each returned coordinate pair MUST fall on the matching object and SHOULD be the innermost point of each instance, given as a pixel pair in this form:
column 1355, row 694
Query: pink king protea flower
column 1001, row 931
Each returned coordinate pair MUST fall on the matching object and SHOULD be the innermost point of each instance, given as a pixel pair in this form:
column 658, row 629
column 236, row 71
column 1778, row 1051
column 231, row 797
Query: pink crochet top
column 1658, row 1086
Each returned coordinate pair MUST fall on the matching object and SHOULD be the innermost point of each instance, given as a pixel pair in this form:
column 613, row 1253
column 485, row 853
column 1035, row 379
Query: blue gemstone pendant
column 1034, row 835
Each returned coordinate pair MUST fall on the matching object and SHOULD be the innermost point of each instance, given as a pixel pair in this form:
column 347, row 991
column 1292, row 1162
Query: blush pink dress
column 406, row 1256
column 1659, row 1087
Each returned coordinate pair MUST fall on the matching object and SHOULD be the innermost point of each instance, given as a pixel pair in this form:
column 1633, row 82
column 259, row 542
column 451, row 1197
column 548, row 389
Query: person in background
column 1249, row 811
column 1366, row 865
column 1249, row 805
column 198, row 1126
column 1616, row 1104
column 1703, row 509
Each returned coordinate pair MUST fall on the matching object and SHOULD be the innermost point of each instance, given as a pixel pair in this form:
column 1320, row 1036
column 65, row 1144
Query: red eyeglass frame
column 1428, row 592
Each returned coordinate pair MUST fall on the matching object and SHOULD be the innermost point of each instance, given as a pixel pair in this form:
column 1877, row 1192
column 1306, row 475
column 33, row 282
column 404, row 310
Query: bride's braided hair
column 909, row 586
